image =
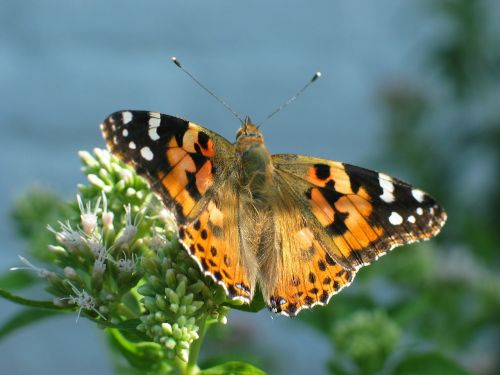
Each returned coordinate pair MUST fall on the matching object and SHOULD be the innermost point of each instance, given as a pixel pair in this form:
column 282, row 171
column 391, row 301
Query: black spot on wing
column 203, row 139
column 322, row 171
column 331, row 196
column 198, row 158
column 292, row 309
column 362, row 177
column 191, row 186
column 312, row 277
column 324, row 297
column 338, row 226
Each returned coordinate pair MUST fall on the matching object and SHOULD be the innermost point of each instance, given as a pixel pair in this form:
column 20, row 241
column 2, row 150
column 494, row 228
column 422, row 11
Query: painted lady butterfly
column 299, row 226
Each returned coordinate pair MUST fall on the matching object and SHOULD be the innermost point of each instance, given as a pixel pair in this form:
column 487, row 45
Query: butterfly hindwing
column 214, row 242
column 303, row 273
column 176, row 156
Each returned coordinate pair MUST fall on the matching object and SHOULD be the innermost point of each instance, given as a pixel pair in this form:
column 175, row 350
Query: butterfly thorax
column 254, row 160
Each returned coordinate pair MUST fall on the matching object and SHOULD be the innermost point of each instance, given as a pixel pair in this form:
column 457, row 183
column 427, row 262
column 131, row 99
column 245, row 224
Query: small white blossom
column 88, row 217
column 41, row 272
column 169, row 219
column 100, row 262
column 126, row 265
column 157, row 242
column 56, row 249
column 83, row 300
column 96, row 246
column 103, row 156
column 107, row 216
column 88, row 159
column 126, row 175
column 97, row 182
column 70, row 272
column 67, row 236
column 130, row 229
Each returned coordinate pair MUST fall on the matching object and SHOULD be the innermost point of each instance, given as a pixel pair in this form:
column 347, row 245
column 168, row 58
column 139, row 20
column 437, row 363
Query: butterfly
column 300, row 227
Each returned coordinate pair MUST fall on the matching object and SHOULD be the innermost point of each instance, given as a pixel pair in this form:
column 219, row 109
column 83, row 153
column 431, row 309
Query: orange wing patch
column 330, row 175
column 191, row 169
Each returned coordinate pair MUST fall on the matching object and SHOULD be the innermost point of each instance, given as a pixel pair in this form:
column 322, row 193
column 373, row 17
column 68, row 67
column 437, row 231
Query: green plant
column 115, row 259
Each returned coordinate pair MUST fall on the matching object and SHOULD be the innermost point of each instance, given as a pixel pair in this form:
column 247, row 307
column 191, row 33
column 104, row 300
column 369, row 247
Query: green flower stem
column 31, row 303
column 194, row 351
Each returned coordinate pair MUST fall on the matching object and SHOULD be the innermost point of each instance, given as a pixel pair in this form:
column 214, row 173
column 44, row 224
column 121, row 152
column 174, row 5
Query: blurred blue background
column 64, row 66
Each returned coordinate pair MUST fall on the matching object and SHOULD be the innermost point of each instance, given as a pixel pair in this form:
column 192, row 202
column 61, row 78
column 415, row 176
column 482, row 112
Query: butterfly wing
column 213, row 240
column 177, row 157
column 299, row 268
column 188, row 167
column 349, row 217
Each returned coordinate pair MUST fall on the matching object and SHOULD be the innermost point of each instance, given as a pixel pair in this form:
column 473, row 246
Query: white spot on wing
column 132, row 145
column 387, row 186
column 395, row 218
column 411, row 219
column 154, row 123
column 125, row 132
column 419, row 195
column 419, row 211
column 146, row 153
column 126, row 117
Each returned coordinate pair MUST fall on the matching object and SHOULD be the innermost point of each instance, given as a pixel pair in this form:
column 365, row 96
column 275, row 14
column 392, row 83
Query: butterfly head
column 249, row 133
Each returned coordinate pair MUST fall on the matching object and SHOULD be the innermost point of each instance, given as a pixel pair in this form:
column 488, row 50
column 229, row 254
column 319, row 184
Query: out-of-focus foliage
column 442, row 297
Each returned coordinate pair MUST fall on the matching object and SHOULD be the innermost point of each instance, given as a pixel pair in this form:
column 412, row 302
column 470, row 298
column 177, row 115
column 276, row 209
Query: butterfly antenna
column 291, row 99
column 177, row 62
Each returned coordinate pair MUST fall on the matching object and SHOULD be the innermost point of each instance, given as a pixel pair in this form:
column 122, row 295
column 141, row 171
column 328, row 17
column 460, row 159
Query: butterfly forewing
column 176, row 156
column 350, row 216
column 365, row 212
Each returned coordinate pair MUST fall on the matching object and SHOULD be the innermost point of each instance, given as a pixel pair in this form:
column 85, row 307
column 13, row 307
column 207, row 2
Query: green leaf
column 128, row 328
column 428, row 364
column 146, row 356
column 16, row 280
column 23, row 319
column 31, row 303
column 233, row 368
